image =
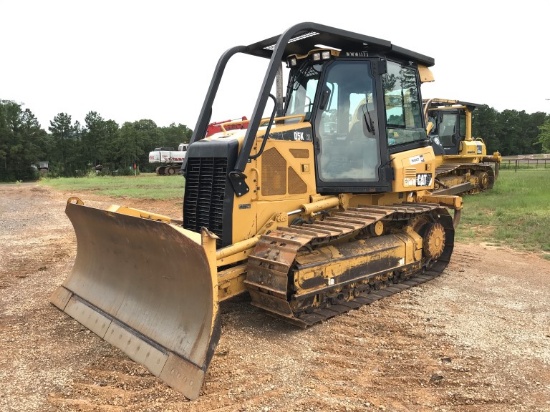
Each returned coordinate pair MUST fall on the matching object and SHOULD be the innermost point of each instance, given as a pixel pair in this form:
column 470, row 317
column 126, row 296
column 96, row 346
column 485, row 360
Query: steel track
column 271, row 265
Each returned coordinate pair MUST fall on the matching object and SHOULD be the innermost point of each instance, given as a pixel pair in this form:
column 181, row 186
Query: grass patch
column 142, row 186
column 516, row 212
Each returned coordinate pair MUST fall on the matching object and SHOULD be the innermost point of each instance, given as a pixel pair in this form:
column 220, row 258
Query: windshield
column 301, row 89
column 403, row 105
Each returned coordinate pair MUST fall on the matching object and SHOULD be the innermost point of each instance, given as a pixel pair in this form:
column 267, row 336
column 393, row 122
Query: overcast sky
column 131, row 59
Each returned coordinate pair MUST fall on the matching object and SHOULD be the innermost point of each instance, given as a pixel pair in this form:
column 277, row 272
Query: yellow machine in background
column 320, row 208
column 463, row 165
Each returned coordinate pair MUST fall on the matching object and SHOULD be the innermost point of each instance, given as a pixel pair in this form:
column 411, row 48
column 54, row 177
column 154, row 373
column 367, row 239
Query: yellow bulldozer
column 463, row 165
column 315, row 209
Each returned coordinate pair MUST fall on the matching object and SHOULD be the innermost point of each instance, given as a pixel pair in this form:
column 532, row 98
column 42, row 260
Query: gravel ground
column 475, row 339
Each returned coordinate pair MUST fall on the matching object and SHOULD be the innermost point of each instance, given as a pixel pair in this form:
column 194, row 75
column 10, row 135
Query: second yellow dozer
column 320, row 207
column 463, row 165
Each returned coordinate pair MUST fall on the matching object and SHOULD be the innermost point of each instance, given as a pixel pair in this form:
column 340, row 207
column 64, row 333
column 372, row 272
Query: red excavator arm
column 225, row 125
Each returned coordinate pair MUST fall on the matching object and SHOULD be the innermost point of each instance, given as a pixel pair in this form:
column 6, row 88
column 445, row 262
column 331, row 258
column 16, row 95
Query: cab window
column 403, row 105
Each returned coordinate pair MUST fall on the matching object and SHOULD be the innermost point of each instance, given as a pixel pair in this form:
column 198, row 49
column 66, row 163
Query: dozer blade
column 146, row 287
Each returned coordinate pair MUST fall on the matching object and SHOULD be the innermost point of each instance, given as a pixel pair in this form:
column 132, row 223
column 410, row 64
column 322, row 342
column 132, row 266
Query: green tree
column 536, row 120
column 94, row 139
column 111, row 133
column 174, row 134
column 21, row 142
column 509, row 132
column 484, row 125
column 137, row 139
column 66, row 155
column 544, row 135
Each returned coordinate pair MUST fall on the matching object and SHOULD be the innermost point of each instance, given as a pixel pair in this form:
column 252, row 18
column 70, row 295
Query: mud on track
column 475, row 339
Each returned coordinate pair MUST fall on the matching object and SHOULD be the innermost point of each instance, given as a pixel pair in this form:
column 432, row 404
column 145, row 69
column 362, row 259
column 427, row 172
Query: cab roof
column 307, row 36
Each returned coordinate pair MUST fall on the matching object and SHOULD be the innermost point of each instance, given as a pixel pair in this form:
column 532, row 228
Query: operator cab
column 450, row 127
column 451, row 121
column 355, row 97
column 361, row 109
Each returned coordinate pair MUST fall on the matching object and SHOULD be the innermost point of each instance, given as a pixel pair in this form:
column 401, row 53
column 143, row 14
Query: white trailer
column 168, row 159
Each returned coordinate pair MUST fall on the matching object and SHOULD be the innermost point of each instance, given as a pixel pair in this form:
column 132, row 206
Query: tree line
column 74, row 149
column 512, row 132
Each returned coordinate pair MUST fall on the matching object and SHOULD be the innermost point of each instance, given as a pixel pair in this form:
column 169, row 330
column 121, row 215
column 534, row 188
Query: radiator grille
column 296, row 185
column 204, row 194
column 273, row 173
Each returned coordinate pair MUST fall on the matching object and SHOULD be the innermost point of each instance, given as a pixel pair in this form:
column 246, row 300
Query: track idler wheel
column 483, row 180
column 434, row 241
